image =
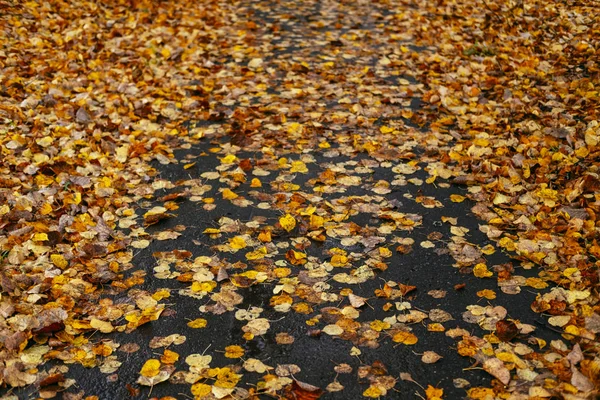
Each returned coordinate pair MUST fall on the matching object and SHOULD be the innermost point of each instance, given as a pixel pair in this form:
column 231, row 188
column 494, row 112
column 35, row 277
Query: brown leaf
column 52, row 379
column 302, row 391
column 496, row 368
column 506, row 330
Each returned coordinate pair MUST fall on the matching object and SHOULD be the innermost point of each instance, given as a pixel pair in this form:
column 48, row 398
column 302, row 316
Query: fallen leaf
column 430, row 357
column 150, row 368
column 496, row 368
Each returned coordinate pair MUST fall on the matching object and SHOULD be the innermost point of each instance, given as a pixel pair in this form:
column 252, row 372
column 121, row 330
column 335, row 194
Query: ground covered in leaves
column 300, row 200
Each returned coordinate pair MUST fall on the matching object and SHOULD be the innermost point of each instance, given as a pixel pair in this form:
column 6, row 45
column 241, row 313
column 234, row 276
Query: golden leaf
column 287, row 222
column 433, row 393
column 481, row 271
column 237, row 242
column 201, row 390
column 59, row 261
column 405, row 338
column 229, row 195
column 226, row 378
column 197, row 323
column 169, row 357
column 487, row 293
column 234, row 351
column 150, row 368
column 102, row 326
column 373, row 392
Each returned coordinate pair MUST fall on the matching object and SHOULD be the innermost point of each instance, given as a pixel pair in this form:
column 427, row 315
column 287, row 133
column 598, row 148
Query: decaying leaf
column 496, row 368
column 430, row 357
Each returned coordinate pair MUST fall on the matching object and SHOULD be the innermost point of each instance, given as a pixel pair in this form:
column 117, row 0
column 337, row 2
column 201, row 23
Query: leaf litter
column 337, row 132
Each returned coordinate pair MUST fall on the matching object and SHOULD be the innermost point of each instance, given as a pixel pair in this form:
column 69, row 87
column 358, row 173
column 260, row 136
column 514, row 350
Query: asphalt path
column 316, row 355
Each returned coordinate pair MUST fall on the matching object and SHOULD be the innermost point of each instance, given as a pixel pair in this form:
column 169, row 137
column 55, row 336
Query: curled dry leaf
column 430, row 357
column 497, row 369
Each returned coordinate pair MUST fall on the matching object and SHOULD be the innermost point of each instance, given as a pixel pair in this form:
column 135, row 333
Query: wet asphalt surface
column 315, row 355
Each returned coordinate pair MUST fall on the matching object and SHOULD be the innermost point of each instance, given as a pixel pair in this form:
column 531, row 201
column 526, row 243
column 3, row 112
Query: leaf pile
column 337, row 131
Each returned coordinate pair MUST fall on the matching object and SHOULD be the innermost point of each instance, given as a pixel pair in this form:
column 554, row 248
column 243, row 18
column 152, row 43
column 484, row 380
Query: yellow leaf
column 165, row 52
column 198, row 362
column 386, row 129
column 299, row 166
column 102, row 349
column 234, row 351
column 507, row 243
column 433, row 393
column 488, row 249
column 44, row 180
column 487, row 293
column 207, row 286
column 161, row 294
column 169, row 357
column 481, row 271
column 229, row 159
column 226, row 378
column 294, row 128
column 296, row 257
column 40, row 237
column 151, row 368
column 450, row 220
column 79, row 324
column 373, row 392
column 316, row 221
column 45, row 141
column 501, row 199
column 255, row 183
column 287, row 222
column 264, row 236
column 536, row 283
column 405, row 338
column 339, row 260
column 197, row 323
column 572, row 329
column 378, row 325
column 155, row 211
column 436, row 327
column 355, row 351
column 229, row 195
column 481, row 393
column 102, row 326
column 457, row 198
column 59, row 261
column 237, row 242
column 385, row 252
column 45, row 209
column 257, row 254
column 201, row 390
column 281, row 272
